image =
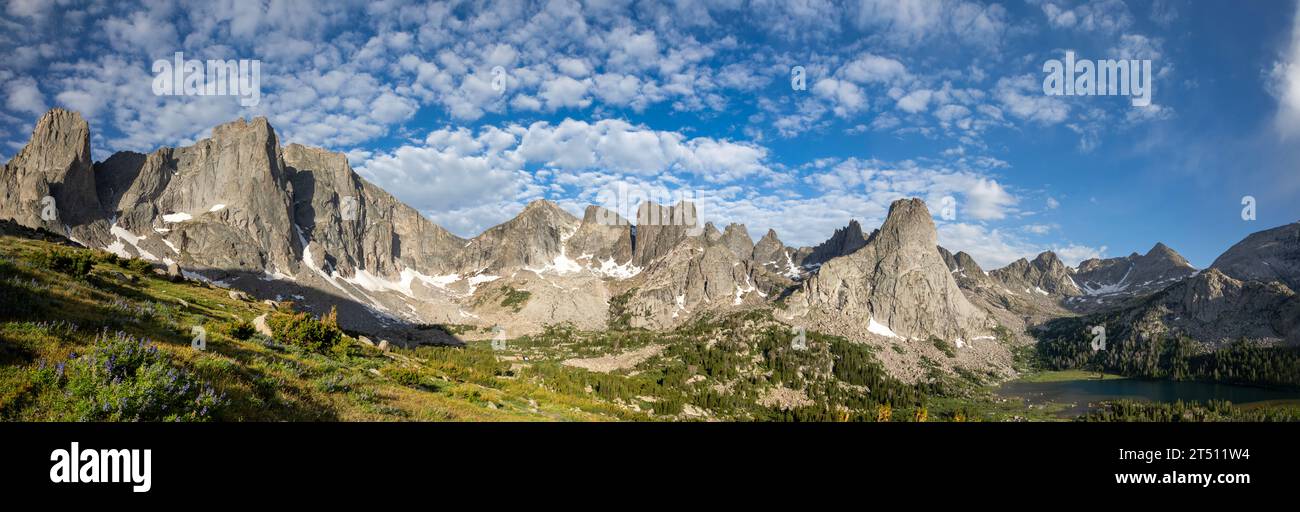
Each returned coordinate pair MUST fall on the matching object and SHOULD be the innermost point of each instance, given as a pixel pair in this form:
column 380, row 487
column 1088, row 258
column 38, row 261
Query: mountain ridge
column 240, row 210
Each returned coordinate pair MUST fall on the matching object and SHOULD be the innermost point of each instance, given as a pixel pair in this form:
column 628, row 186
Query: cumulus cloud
column 459, row 170
column 1023, row 97
column 909, row 22
column 23, row 95
column 1105, row 16
column 1284, row 84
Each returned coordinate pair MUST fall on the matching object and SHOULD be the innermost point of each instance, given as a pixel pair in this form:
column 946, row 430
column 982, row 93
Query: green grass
column 312, row 374
column 1068, row 375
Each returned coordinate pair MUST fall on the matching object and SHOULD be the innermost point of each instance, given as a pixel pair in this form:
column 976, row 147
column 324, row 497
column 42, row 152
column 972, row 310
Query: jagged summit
column 532, row 238
column 896, row 285
column 1133, row 275
column 54, row 164
column 844, row 241
column 736, row 238
column 1046, row 275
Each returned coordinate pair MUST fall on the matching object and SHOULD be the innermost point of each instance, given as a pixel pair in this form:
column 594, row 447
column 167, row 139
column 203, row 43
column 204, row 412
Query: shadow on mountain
column 354, row 317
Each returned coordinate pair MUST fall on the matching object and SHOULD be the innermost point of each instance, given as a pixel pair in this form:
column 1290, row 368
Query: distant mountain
column 1105, row 280
column 533, row 239
column 1045, row 276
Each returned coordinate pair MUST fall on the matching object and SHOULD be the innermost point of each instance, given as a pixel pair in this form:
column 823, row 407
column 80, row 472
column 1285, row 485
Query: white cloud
column 845, row 97
column 991, row 248
column 391, row 108
column 1023, row 97
column 987, row 200
column 1105, row 16
column 563, row 91
column 1073, row 254
column 23, row 95
column 981, row 198
column 873, row 68
column 915, row 101
column 995, row 248
column 1284, row 84
column 908, row 22
column 458, row 171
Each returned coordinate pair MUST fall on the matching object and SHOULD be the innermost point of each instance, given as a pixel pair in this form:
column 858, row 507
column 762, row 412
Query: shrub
column 138, row 265
column 944, row 347
column 74, row 262
column 125, row 379
column 409, row 377
column 515, row 299
column 306, row 331
column 238, row 329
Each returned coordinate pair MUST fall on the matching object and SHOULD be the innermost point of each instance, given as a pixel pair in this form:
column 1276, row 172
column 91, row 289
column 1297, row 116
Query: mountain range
column 291, row 223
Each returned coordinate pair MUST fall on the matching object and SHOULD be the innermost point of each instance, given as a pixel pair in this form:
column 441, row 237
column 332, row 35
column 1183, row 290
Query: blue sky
column 935, row 98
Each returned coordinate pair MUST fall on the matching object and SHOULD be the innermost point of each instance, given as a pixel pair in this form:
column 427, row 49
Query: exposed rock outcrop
column 1269, row 255
column 1046, row 276
column 895, row 285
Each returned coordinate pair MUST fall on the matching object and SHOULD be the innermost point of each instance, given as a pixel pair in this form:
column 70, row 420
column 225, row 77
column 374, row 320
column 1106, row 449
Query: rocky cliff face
column 604, row 238
column 534, row 238
column 660, row 228
column 736, row 238
column 1214, row 308
column 896, row 285
column 1269, row 255
column 1046, row 276
column 50, row 183
column 844, row 241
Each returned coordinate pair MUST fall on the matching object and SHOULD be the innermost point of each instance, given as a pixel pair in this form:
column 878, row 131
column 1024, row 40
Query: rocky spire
column 897, row 283
column 845, row 240
column 660, row 228
column 736, row 238
column 603, row 234
column 54, row 166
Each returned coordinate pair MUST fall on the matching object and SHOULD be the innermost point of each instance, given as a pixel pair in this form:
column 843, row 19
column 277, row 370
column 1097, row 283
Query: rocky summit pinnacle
column 51, row 182
column 896, row 285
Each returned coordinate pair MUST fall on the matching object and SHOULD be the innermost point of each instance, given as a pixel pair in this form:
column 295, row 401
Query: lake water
column 1077, row 394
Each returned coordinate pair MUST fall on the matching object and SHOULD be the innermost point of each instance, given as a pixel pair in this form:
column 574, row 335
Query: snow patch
column 614, row 270
column 118, row 248
column 177, row 217
column 878, row 328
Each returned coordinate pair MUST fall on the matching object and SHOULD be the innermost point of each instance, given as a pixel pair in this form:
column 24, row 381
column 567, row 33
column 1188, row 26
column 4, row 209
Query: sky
column 467, row 111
